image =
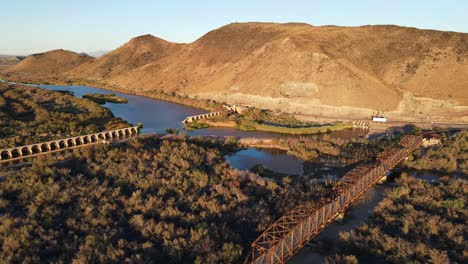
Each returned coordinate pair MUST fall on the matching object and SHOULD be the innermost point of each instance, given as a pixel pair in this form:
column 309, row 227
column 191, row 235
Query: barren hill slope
column 51, row 64
column 326, row 70
column 7, row 61
column 297, row 67
column 137, row 52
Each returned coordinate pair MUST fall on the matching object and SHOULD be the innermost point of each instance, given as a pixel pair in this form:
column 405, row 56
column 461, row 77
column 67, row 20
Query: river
column 158, row 115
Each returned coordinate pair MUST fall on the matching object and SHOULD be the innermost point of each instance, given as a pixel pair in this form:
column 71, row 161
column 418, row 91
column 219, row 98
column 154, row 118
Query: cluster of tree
column 417, row 222
column 172, row 200
column 450, row 156
column 30, row 115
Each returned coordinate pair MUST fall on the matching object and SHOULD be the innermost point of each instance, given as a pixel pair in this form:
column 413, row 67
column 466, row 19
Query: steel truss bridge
column 285, row 237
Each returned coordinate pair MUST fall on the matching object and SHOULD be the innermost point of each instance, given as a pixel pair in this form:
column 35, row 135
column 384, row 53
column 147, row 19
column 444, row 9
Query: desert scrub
column 451, row 156
column 416, row 222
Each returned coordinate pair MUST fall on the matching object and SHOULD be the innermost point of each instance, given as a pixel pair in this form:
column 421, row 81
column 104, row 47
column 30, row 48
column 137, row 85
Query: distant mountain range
column 98, row 53
column 336, row 71
column 7, row 61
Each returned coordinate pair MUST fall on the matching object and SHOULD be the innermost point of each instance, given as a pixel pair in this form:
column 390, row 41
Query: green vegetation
column 250, row 126
column 103, row 98
column 195, row 125
column 416, row 223
column 266, row 117
column 170, row 200
column 451, row 157
column 265, row 120
column 30, row 115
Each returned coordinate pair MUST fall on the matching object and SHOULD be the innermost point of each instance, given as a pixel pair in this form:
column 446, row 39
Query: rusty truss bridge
column 285, row 237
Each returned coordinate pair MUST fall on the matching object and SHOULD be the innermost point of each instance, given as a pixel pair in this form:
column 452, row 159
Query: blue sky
column 31, row 26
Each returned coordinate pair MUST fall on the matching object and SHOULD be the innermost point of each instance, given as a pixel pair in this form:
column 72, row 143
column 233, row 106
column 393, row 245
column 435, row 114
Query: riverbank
column 243, row 125
column 154, row 94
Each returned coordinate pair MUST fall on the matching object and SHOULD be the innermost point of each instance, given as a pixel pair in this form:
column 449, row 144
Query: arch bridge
column 285, row 237
column 31, row 150
column 194, row 118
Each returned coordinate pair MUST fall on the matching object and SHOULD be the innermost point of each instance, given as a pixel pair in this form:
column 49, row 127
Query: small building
column 379, row 118
column 431, row 139
column 239, row 109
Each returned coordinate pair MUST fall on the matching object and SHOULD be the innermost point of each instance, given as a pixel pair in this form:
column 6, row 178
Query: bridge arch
column 6, row 154
column 26, row 151
column 54, row 145
column 114, row 134
column 70, row 142
column 78, row 141
column 108, row 135
column 85, row 140
column 45, row 147
column 134, row 130
column 121, row 133
column 94, row 138
column 101, row 136
column 127, row 132
column 62, row 144
column 15, row 153
column 36, row 149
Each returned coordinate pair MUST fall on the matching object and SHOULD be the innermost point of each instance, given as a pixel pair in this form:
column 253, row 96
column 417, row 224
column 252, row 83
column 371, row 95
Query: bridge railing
column 288, row 234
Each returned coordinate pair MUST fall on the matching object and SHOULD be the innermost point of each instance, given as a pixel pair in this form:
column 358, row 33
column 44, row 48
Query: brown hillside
column 327, row 70
column 366, row 67
column 46, row 65
column 137, row 52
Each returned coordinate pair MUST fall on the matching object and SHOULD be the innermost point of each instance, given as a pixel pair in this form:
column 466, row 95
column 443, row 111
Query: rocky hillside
column 47, row 65
column 327, row 70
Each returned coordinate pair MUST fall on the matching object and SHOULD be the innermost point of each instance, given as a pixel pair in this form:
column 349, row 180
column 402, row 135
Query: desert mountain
column 326, row 70
column 137, row 52
column 49, row 64
column 7, row 61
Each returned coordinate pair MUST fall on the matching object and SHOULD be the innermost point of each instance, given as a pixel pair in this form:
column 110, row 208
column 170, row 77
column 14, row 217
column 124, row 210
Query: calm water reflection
column 157, row 115
column 273, row 159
